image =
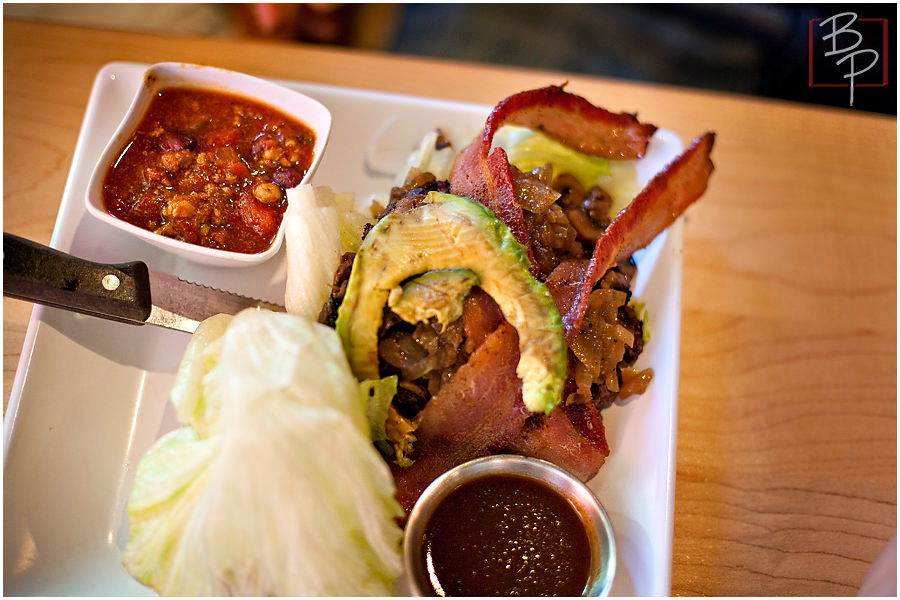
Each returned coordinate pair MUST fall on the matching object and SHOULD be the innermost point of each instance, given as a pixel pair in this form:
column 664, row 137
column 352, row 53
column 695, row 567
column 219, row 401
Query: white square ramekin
column 294, row 104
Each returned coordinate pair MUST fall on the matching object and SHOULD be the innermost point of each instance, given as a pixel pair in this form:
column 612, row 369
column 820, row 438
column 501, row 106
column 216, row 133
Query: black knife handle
column 39, row 274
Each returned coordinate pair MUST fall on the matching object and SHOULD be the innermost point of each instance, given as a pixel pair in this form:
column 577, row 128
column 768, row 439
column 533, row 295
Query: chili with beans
column 209, row 168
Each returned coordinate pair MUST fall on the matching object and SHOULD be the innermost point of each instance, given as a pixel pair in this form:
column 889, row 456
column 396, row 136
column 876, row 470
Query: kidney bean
column 286, row 177
column 265, row 147
column 174, row 141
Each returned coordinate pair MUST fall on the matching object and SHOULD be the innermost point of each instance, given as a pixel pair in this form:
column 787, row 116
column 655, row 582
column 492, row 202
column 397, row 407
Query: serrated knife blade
column 125, row 292
column 182, row 305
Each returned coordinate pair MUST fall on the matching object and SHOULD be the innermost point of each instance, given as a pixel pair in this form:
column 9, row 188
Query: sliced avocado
column 451, row 232
column 439, row 294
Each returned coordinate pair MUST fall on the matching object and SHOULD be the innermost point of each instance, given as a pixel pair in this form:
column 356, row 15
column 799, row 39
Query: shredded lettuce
column 272, row 486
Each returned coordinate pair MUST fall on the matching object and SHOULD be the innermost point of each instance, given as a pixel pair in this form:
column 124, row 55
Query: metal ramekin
column 599, row 529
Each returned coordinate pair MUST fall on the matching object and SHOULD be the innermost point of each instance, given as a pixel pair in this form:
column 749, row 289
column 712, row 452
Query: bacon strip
column 573, row 121
column 571, row 437
column 489, row 180
column 656, row 207
column 477, row 413
column 485, row 176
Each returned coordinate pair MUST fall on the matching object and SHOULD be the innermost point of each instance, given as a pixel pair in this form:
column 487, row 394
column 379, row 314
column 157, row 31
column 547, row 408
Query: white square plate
column 91, row 396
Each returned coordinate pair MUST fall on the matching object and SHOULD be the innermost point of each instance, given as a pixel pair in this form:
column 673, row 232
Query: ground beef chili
column 209, row 168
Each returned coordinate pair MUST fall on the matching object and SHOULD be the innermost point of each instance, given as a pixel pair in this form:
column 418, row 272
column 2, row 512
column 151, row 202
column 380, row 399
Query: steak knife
column 126, row 292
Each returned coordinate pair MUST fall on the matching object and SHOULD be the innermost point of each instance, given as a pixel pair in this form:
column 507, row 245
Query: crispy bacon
column 489, row 180
column 573, row 121
column 477, row 413
column 572, row 437
column 656, row 207
column 486, row 176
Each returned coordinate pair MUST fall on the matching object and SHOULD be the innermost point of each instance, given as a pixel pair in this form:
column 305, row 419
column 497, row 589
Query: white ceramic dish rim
column 54, row 407
column 171, row 74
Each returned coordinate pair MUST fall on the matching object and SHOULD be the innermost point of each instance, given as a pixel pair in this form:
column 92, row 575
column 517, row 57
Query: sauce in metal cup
column 508, row 525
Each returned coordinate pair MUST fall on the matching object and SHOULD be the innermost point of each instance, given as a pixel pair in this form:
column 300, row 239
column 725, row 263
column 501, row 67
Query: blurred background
column 756, row 49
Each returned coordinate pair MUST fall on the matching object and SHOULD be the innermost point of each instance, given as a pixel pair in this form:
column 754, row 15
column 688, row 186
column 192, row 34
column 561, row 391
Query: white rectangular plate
column 91, row 396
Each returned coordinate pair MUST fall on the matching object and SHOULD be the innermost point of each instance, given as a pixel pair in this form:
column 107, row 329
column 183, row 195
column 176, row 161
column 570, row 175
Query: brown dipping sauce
column 506, row 535
column 209, row 168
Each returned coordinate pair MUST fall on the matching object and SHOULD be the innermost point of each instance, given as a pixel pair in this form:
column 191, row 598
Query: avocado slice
column 439, row 294
column 452, row 232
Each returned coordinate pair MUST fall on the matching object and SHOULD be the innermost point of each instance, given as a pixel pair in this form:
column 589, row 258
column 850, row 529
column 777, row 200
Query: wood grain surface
column 787, row 429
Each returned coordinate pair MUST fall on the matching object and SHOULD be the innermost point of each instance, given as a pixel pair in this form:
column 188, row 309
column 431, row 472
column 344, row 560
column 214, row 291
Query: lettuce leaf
column 272, row 486
column 529, row 149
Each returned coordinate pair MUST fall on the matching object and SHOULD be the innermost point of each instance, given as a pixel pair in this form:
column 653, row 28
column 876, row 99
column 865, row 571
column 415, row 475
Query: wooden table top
column 787, row 431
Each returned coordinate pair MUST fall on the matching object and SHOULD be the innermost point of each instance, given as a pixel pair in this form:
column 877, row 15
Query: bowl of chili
column 201, row 163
